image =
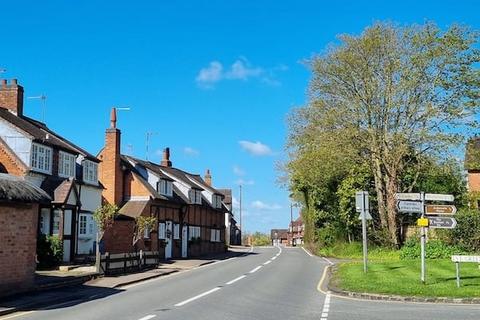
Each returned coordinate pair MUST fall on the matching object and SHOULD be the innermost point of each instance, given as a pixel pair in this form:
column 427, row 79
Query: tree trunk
column 380, row 189
column 392, row 188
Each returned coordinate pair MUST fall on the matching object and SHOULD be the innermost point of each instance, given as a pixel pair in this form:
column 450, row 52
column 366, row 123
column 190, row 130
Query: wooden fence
column 118, row 263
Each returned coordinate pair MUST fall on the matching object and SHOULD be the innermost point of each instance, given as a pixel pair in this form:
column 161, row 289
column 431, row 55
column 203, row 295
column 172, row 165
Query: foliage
column 142, row 223
column 261, row 239
column 388, row 105
column 435, row 249
column 354, row 250
column 402, row 277
column 467, row 232
column 49, row 251
column 104, row 216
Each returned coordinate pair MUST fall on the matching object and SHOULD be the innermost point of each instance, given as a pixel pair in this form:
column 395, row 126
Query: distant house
column 233, row 235
column 472, row 166
column 66, row 172
column 19, row 205
column 279, row 236
column 296, row 232
column 189, row 211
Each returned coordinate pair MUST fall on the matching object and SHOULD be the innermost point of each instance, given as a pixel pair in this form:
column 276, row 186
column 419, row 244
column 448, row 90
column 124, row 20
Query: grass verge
column 402, row 277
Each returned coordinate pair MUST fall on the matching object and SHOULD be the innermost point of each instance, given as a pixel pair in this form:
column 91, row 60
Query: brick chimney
column 111, row 174
column 166, row 158
column 208, row 178
column 11, row 96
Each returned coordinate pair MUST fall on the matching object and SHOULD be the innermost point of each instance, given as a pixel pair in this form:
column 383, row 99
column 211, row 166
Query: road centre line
column 151, row 316
column 197, row 297
column 256, row 269
column 267, row 262
column 326, row 307
column 235, row 280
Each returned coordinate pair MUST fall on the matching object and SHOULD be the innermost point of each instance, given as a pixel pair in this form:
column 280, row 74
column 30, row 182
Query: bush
column 435, row 249
column 261, row 239
column 49, row 251
column 467, row 232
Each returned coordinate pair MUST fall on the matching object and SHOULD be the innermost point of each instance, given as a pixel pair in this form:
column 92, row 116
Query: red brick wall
column 474, row 181
column 11, row 96
column 109, row 170
column 11, row 164
column 18, row 241
column 118, row 238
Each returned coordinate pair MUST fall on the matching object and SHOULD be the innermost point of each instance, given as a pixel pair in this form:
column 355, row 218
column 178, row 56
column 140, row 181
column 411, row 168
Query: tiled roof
column 58, row 189
column 281, row 233
column 15, row 189
column 133, row 209
column 41, row 133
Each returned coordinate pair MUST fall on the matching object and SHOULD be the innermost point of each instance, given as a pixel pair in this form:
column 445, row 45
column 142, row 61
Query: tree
column 142, row 223
column 388, row 97
column 104, row 216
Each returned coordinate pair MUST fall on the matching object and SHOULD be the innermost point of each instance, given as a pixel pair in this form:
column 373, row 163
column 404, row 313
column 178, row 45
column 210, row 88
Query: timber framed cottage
column 190, row 213
column 66, row 172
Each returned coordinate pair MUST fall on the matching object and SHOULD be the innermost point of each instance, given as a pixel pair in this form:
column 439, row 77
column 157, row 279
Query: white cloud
column 190, row 152
column 245, row 182
column 235, row 202
column 210, row 75
column 240, row 69
column 265, row 206
column 238, row 171
column 256, row 148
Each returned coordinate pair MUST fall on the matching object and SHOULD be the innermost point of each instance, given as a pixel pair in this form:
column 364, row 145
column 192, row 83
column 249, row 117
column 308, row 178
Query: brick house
column 66, row 172
column 233, row 235
column 279, row 236
column 189, row 211
column 296, row 232
column 472, row 166
column 19, row 205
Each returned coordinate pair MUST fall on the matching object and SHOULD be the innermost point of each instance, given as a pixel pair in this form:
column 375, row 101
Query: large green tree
column 386, row 98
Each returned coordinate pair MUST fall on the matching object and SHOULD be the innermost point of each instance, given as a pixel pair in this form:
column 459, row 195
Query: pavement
column 267, row 283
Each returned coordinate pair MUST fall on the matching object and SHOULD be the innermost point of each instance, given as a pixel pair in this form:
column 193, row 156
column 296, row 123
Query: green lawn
column 402, row 277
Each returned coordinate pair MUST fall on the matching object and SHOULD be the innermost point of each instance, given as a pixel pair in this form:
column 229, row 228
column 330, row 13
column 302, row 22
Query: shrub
column 467, row 232
column 49, row 251
column 435, row 249
column 261, row 239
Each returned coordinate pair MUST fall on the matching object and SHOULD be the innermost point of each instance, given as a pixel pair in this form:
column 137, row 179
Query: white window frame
column 217, row 201
column 195, row 196
column 165, row 187
column 162, row 234
column 90, row 172
column 176, row 231
column 82, row 224
column 56, row 220
column 66, row 164
column 41, row 158
column 194, row 232
column 146, row 233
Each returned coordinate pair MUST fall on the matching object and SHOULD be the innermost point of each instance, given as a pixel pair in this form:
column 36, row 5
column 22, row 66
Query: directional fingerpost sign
column 442, row 222
column 439, row 197
column 440, row 209
column 410, row 206
column 408, row 196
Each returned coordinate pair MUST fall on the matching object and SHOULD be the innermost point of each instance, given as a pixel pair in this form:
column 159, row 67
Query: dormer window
column 66, row 165
column 165, row 187
column 90, row 172
column 217, row 201
column 41, row 159
column 195, row 196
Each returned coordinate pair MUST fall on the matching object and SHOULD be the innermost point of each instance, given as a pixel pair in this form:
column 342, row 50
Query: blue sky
column 214, row 80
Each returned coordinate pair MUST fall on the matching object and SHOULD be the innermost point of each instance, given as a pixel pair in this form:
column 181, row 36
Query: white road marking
column 256, row 269
column 307, row 252
column 235, row 280
column 197, row 297
column 151, row 316
column 326, row 259
column 267, row 262
column 326, row 307
column 274, row 258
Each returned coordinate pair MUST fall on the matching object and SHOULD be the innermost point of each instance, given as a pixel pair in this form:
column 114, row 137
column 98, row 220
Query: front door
column 184, row 241
column 168, row 239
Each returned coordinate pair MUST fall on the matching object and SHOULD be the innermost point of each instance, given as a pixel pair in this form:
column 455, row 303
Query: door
column 168, row 239
column 184, row 241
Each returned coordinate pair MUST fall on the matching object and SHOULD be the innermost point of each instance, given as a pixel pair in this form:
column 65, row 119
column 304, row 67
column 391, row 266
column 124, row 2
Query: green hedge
column 49, row 251
column 435, row 249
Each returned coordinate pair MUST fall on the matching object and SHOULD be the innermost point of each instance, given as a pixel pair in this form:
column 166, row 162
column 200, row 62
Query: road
column 269, row 283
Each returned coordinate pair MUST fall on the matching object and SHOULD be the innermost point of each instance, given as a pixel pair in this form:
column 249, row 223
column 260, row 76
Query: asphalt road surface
column 269, row 283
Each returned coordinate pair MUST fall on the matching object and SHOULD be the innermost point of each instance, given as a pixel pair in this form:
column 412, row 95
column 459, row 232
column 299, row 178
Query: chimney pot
column 166, row 158
column 208, row 178
column 14, row 82
column 113, row 118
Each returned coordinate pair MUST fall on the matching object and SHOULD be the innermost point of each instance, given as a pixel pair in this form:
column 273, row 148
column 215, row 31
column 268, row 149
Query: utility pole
column 240, row 203
column 291, row 222
column 148, row 134
column 422, row 239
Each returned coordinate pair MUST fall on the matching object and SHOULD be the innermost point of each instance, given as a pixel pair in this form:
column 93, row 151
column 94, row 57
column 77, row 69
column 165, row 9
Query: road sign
column 439, row 197
column 408, row 196
column 442, row 222
column 368, row 216
column 422, row 222
column 475, row 259
column 361, row 201
column 440, row 209
column 410, row 206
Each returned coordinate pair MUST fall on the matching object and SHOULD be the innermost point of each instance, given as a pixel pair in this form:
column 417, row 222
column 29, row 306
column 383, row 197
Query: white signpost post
column 363, row 206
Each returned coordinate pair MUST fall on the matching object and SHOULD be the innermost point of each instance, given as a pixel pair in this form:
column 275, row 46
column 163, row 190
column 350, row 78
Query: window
column 56, row 222
column 165, row 187
column 41, row 158
column 214, row 235
column 66, row 165
column 176, row 231
column 82, row 225
column 194, row 232
column 90, row 171
column 42, row 227
column 91, row 225
column 195, row 196
column 161, row 231
column 146, row 233
column 217, row 201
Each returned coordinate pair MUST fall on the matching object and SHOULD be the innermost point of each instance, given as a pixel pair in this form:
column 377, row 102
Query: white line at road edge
column 197, row 297
column 235, row 280
column 256, row 269
column 151, row 316
column 307, row 252
column 326, row 307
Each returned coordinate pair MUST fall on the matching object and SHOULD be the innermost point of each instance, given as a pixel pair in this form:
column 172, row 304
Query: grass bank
column 402, row 277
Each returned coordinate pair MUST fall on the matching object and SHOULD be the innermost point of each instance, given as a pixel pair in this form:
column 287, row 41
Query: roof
column 228, row 195
column 41, row 133
column 281, row 233
column 14, row 189
column 133, row 209
column 58, row 189
column 298, row 222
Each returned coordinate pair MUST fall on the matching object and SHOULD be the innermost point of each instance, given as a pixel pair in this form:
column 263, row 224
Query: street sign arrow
column 408, row 196
column 442, row 222
column 410, row 206
column 439, row 197
column 440, row 209
column 368, row 216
